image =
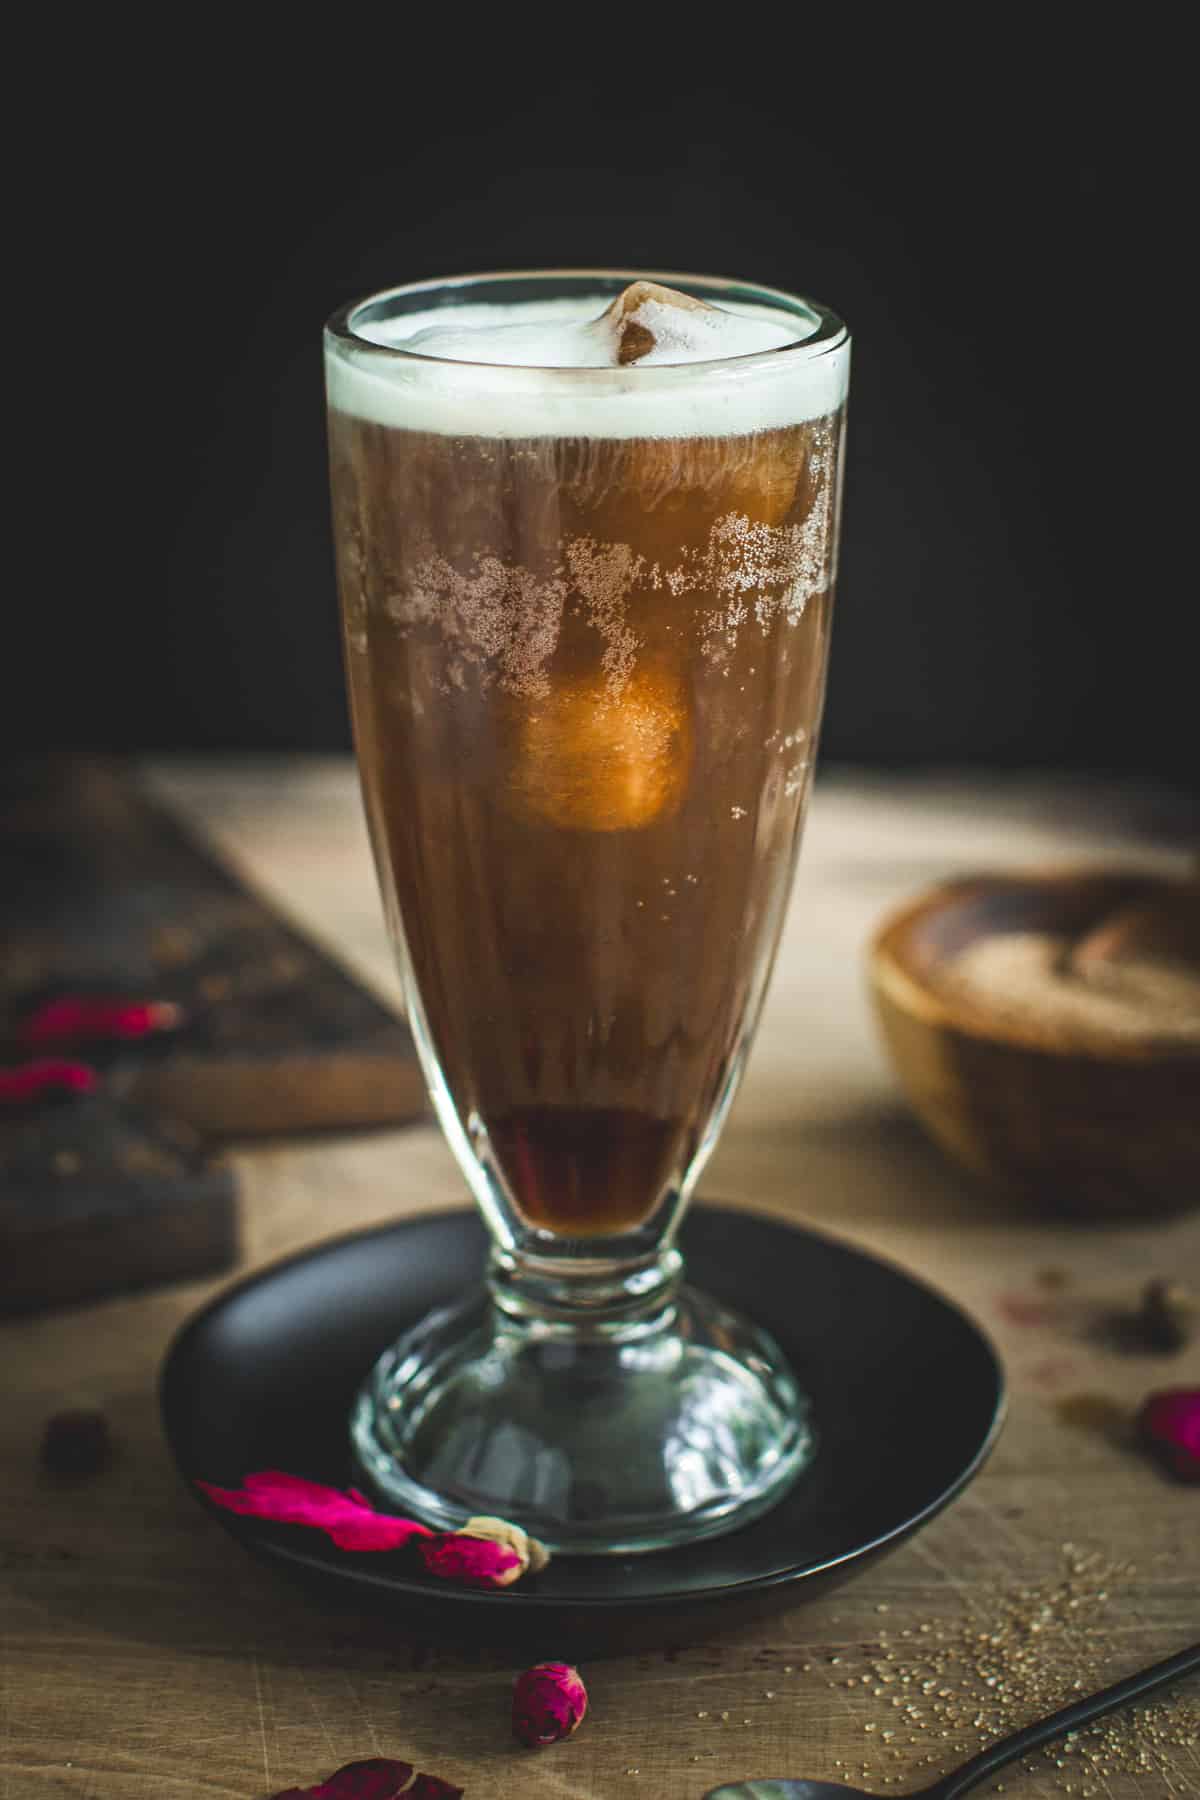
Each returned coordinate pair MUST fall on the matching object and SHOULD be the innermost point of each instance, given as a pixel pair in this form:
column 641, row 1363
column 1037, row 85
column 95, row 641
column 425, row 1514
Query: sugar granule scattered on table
column 1021, row 1654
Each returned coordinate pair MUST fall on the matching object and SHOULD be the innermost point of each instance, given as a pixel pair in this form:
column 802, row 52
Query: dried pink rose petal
column 1169, row 1424
column 33, row 1081
column 348, row 1518
column 378, row 1778
column 549, row 1702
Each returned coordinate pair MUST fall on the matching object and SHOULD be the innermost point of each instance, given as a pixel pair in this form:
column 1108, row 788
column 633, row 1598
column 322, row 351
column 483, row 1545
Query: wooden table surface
column 142, row 1655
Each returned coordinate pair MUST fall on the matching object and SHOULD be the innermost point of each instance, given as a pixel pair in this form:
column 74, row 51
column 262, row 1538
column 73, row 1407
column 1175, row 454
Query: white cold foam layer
column 572, row 337
column 517, row 371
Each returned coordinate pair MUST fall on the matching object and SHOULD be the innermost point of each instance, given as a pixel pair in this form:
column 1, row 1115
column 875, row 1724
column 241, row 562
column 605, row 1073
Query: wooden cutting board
column 104, row 894
column 102, row 891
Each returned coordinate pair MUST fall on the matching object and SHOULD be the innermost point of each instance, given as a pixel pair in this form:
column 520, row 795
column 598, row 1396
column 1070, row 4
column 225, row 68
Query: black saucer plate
column 907, row 1396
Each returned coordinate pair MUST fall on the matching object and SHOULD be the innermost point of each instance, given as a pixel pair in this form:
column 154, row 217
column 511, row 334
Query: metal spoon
column 988, row 1761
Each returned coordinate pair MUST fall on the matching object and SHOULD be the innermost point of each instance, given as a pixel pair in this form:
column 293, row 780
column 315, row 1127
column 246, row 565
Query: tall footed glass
column 587, row 618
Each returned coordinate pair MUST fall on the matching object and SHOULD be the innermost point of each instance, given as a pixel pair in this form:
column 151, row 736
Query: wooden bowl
column 1069, row 1112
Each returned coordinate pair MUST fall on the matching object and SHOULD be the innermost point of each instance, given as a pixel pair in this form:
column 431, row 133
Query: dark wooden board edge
column 105, row 1253
column 249, row 1096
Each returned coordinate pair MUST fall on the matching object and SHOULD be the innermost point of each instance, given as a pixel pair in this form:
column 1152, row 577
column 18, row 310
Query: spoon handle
column 1080, row 1713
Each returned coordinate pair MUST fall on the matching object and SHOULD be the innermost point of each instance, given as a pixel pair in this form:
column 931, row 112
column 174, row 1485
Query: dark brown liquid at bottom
column 586, row 679
column 584, row 1168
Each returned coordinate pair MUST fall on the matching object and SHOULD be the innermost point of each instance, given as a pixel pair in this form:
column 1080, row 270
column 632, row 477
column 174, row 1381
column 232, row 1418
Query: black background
column 986, row 226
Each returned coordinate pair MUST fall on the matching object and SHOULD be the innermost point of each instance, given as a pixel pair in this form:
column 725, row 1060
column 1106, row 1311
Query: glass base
column 639, row 1428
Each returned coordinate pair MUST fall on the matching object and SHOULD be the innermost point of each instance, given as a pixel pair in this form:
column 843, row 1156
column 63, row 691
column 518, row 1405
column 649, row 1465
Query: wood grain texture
column 142, row 1658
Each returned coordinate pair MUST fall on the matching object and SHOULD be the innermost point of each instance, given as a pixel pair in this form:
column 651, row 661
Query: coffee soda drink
column 586, row 536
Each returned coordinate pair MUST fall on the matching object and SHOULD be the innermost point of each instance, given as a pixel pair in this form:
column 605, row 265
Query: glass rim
column 830, row 333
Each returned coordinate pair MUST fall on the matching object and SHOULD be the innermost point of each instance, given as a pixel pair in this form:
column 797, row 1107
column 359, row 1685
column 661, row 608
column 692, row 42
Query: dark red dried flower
column 378, row 1778
column 76, row 1442
column 1169, row 1425
column 75, row 1018
column 549, row 1702
column 33, row 1081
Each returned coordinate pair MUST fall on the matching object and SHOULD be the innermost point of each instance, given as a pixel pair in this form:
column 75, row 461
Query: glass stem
column 609, row 1297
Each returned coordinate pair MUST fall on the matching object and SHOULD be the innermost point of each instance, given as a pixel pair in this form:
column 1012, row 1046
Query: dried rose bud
column 549, row 1702
column 480, row 1562
column 76, row 1443
column 533, row 1553
column 1169, row 1425
column 1168, row 1315
column 486, row 1552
